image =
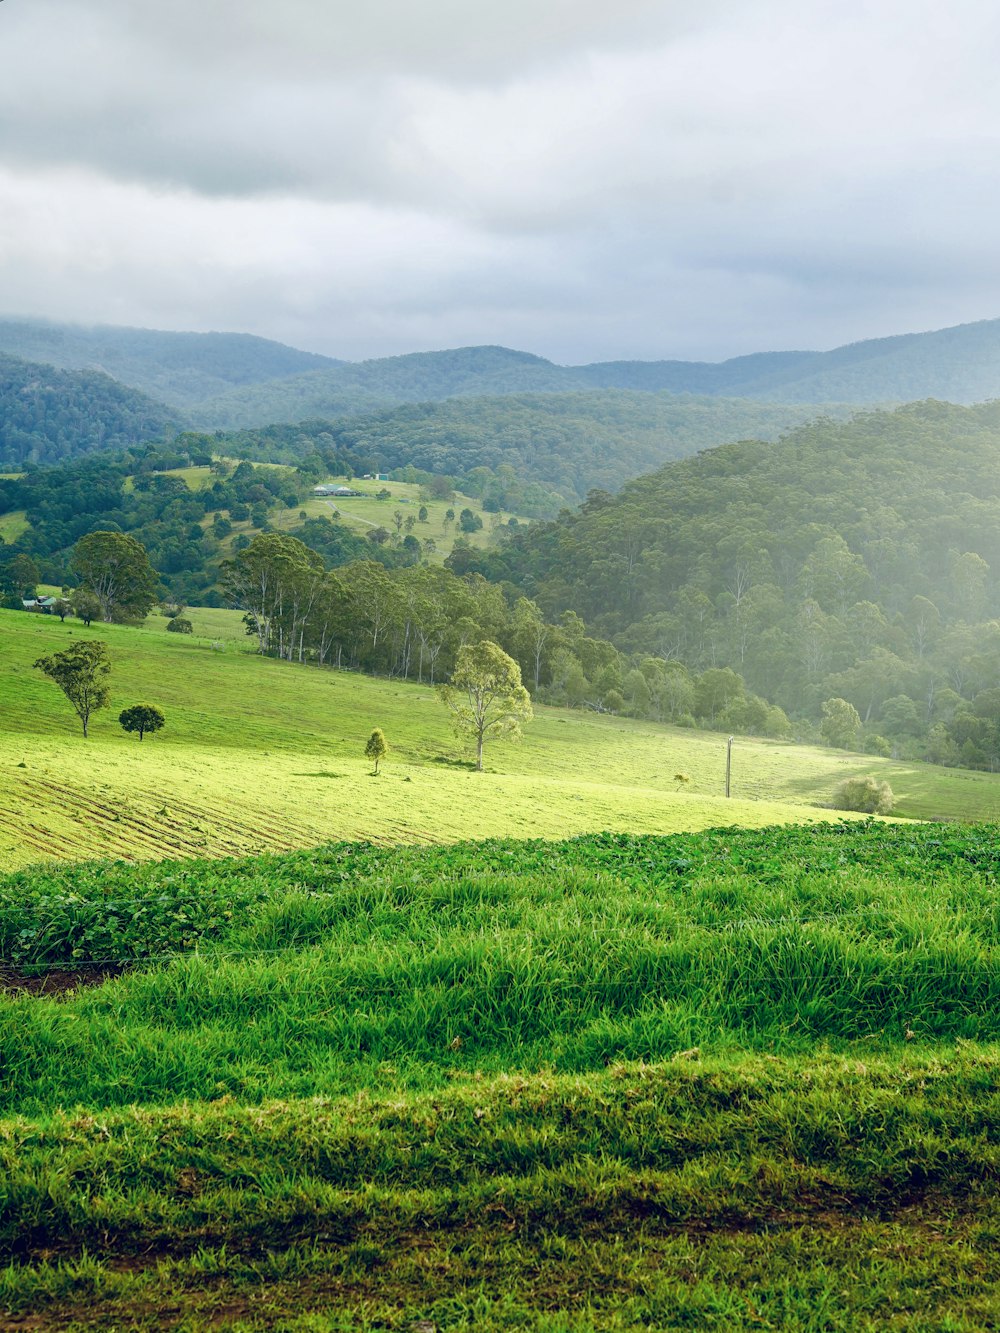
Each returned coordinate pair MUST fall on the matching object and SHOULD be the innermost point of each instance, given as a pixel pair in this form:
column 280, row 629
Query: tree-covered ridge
column 179, row 368
column 367, row 385
column 960, row 365
column 569, row 443
column 47, row 415
column 855, row 560
column 186, row 532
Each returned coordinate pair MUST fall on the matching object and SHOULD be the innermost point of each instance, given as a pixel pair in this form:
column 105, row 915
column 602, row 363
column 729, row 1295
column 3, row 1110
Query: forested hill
column 569, row 443
column 178, row 368
column 958, row 365
column 858, row 559
column 47, row 415
column 368, row 385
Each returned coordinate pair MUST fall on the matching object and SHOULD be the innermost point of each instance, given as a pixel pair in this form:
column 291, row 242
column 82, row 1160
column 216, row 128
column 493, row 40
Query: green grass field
column 261, row 755
column 366, row 513
column 741, row 1081
column 740, row 1077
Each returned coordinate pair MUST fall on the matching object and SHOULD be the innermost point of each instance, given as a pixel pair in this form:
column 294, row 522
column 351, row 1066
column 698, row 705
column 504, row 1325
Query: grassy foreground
column 730, row 1080
column 261, row 755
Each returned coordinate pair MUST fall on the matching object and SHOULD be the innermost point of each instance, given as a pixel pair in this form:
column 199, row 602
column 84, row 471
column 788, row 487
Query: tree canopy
column 114, row 566
column 485, row 697
column 81, row 672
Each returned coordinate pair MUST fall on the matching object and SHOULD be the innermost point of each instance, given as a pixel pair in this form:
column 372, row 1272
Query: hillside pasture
column 264, row 755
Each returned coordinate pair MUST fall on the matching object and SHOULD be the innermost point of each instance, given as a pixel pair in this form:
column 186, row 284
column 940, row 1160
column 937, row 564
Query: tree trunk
column 479, row 753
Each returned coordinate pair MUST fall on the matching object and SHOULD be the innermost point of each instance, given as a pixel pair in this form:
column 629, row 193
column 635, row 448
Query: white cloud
column 653, row 178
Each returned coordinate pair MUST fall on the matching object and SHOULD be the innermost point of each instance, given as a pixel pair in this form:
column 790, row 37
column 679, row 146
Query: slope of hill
column 567, row 442
column 385, row 382
column 48, row 415
column 853, row 559
column 959, row 365
column 177, row 368
column 220, row 779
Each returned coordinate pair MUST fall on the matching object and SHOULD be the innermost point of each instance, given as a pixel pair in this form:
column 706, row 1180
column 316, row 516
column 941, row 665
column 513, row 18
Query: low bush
column 864, row 794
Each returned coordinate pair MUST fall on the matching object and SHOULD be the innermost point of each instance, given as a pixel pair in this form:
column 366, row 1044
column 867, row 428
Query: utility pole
column 729, row 762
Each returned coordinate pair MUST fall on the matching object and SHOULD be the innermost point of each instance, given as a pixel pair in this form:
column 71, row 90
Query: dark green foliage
column 180, row 625
column 527, row 453
column 143, row 718
column 852, row 560
column 135, row 494
column 48, row 415
column 957, row 364
column 81, row 672
column 115, row 567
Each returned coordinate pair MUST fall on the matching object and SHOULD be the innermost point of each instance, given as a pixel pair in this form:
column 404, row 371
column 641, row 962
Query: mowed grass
column 365, row 513
column 729, row 1080
column 13, row 524
column 258, row 755
column 262, row 755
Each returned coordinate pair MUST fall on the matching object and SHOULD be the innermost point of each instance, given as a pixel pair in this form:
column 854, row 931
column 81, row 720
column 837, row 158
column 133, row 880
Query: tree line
column 413, row 623
column 851, row 560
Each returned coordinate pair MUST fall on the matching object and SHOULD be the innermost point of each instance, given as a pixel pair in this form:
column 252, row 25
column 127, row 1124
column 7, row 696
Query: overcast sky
column 581, row 179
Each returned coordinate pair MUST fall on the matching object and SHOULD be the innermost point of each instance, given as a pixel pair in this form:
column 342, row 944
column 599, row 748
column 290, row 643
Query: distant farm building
column 341, row 492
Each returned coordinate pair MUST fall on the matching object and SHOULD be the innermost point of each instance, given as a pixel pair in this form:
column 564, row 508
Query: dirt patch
column 57, row 980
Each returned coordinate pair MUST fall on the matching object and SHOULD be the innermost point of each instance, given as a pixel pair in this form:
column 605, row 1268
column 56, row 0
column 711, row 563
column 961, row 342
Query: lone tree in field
column 141, row 718
column 377, row 747
column 116, row 569
column 841, row 723
column 81, row 673
column 86, row 606
column 486, row 697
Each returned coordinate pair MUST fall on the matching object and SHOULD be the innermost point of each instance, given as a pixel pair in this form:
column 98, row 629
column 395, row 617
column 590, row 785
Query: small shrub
column 180, row 625
column 864, row 794
column 377, row 747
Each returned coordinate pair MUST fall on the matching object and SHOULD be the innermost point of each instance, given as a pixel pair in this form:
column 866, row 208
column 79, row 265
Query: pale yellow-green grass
column 12, row 524
column 366, row 513
column 262, row 754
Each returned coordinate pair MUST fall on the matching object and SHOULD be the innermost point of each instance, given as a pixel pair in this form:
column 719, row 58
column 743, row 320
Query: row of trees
column 414, row 622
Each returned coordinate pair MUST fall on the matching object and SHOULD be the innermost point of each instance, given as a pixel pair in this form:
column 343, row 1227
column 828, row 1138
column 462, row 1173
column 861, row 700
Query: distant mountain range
column 179, row 369
column 228, row 380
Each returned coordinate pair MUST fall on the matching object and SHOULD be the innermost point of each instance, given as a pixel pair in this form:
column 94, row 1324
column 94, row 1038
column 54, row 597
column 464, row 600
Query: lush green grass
column 258, row 754
column 13, row 524
column 733, row 1080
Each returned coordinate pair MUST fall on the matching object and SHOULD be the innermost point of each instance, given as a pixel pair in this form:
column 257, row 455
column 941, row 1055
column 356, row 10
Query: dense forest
column 178, row 368
column 568, row 443
column 47, row 415
column 854, row 560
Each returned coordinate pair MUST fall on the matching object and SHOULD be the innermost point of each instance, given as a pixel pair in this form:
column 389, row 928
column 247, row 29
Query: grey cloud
column 654, row 178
